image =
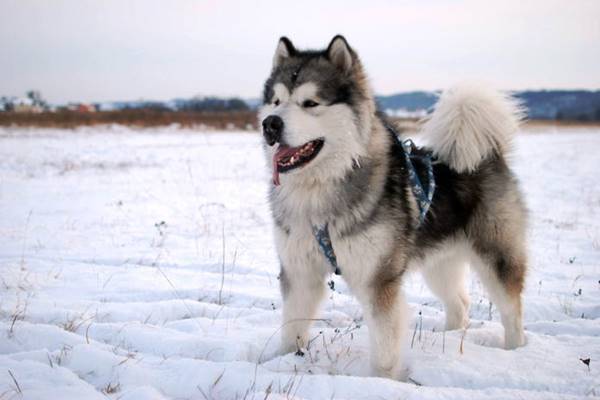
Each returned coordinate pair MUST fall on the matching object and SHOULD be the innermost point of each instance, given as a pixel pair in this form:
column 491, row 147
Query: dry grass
column 556, row 123
column 219, row 120
column 111, row 388
column 138, row 118
column 411, row 125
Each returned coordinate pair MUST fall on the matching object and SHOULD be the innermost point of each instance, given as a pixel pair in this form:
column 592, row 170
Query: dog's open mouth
column 288, row 158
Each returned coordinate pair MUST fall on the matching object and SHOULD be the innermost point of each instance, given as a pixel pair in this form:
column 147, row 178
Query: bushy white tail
column 469, row 123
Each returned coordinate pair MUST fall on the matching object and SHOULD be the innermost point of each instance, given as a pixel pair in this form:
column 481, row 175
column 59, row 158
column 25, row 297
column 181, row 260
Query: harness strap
column 423, row 195
column 324, row 241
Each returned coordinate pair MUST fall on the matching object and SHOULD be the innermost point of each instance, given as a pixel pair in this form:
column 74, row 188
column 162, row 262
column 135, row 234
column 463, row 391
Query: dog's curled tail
column 469, row 123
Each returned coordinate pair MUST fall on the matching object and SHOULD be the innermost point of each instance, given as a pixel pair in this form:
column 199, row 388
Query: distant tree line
column 201, row 104
column 213, row 104
column 572, row 105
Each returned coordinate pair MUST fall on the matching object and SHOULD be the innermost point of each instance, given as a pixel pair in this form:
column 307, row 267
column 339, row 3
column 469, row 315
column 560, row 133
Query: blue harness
column 423, row 195
column 324, row 241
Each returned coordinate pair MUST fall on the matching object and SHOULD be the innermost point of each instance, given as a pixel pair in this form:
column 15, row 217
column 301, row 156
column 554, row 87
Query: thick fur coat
column 334, row 163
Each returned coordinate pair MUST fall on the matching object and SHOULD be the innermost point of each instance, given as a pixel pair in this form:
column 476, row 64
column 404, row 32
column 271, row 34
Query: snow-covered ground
column 140, row 265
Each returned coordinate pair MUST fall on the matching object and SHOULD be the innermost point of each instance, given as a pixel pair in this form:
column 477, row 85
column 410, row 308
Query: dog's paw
column 514, row 340
column 396, row 373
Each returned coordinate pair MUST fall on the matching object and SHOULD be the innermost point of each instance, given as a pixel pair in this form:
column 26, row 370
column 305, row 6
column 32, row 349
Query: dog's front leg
column 302, row 289
column 385, row 311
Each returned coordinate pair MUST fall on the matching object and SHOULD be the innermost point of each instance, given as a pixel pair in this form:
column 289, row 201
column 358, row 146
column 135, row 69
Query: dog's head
column 317, row 111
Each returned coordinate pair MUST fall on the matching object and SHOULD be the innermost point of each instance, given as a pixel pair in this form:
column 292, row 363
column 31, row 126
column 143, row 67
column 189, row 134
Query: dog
column 336, row 162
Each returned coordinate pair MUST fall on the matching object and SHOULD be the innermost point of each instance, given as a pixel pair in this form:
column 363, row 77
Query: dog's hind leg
column 445, row 274
column 302, row 290
column 503, row 273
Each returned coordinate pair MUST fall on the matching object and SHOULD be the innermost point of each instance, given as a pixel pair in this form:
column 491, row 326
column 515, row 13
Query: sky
column 103, row 50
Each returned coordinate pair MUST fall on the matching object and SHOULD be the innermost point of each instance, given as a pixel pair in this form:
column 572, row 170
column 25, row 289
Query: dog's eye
column 276, row 102
column 309, row 104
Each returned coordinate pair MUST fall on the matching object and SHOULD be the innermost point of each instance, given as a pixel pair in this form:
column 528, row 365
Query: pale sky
column 81, row 50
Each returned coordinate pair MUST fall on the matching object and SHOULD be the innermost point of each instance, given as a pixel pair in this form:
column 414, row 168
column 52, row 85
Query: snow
column 139, row 264
column 405, row 113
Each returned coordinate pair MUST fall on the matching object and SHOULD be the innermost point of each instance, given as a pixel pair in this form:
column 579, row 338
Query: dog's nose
column 272, row 128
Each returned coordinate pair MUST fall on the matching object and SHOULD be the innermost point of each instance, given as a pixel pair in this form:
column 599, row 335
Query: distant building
column 81, row 107
column 20, row 105
column 86, row 108
column 33, row 103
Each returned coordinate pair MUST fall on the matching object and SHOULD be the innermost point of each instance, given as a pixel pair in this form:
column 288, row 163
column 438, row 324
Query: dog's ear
column 340, row 53
column 285, row 49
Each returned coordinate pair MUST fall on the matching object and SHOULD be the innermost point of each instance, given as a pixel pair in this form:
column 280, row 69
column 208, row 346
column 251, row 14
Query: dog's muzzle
column 272, row 128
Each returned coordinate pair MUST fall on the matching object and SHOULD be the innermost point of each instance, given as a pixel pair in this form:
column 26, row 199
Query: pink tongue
column 282, row 152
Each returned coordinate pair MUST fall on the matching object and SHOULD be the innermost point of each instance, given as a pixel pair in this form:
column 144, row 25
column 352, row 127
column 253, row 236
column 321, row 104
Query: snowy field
column 140, row 265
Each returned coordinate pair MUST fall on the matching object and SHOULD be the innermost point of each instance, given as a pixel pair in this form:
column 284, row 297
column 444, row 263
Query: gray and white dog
column 336, row 163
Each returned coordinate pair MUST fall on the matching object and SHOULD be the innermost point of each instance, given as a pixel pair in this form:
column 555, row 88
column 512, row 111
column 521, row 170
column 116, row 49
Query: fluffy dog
column 337, row 165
